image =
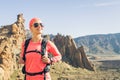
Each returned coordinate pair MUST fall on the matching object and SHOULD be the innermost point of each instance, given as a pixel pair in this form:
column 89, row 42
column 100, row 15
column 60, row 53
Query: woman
column 35, row 62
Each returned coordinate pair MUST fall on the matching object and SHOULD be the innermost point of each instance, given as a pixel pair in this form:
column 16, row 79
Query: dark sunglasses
column 38, row 24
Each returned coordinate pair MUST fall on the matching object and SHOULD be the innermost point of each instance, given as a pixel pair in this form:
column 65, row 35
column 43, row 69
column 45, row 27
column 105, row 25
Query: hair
column 33, row 20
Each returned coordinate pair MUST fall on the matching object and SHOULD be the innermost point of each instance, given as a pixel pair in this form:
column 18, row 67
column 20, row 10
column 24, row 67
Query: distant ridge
column 100, row 43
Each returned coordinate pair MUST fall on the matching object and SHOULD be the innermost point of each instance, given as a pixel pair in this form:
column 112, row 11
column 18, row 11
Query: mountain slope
column 95, row 44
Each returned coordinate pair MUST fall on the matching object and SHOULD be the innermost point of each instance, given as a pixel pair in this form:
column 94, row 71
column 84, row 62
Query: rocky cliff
column 71, row 54
column 11, row 37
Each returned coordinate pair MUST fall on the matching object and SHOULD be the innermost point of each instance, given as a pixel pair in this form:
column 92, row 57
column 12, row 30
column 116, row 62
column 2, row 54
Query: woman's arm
column 21, row 61
column 54, row 51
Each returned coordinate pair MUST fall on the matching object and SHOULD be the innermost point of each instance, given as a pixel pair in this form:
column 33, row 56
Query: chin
column 39, row 32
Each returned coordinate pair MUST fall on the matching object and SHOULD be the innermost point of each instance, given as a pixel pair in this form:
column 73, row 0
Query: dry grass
column 63, row 71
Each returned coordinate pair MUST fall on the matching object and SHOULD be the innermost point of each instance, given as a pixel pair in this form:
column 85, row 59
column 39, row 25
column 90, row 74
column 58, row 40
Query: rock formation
column 70, row 53
column 11, row 37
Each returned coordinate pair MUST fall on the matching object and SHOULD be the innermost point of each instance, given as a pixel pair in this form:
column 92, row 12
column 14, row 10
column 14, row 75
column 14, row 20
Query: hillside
column 100, row 44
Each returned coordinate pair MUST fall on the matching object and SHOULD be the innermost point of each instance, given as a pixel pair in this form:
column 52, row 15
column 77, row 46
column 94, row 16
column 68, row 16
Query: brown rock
column 11, row 38
column 70, row 53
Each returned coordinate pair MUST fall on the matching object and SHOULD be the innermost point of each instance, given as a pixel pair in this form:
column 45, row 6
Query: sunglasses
column 38, row 24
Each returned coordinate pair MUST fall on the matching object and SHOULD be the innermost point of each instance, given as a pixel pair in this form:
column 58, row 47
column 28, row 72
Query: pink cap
column 33, row 20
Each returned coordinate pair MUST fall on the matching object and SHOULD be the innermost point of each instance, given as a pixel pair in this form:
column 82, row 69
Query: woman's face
column 36, row 28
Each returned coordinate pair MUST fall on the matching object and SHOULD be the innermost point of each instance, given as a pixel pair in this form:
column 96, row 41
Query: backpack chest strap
column 34, row 51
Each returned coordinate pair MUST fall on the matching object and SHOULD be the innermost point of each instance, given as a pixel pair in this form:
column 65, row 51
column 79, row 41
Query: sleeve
column 54, row 51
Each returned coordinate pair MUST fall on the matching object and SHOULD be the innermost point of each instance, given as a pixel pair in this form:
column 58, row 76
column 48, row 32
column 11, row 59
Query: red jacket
column 34, row 62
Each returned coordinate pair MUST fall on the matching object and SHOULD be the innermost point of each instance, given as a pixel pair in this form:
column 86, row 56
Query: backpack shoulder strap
column 43, row 46
column 25, row 47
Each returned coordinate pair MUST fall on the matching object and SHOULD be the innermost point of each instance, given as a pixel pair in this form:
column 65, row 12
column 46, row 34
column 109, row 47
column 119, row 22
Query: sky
column 67, row 17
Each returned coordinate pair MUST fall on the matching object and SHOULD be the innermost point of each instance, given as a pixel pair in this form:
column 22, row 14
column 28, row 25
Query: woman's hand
column 45, row 59
column 21, row 61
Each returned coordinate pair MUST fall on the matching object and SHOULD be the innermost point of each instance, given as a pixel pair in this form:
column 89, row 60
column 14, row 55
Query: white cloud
column 106, row 4
column 100, row 4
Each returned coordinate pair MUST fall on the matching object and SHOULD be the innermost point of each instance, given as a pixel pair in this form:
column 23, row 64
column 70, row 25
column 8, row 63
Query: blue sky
column 67, row 17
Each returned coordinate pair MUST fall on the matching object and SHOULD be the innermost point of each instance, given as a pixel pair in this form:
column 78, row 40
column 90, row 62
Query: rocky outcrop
column 70, row 53
column 11, row 37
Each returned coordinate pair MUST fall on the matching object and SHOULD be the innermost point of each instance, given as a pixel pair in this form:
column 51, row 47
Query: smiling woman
column 36, row 65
